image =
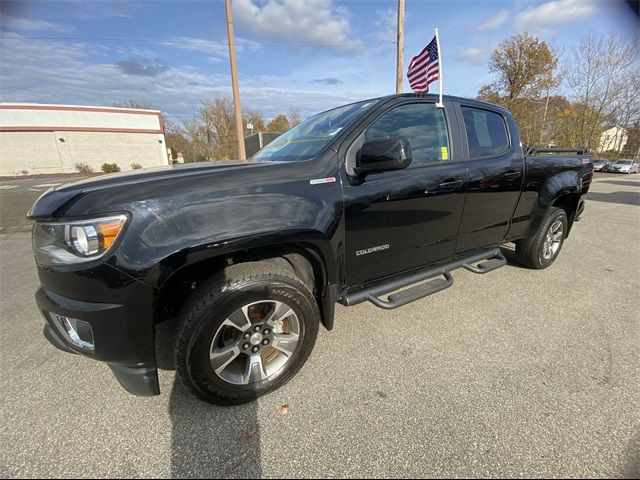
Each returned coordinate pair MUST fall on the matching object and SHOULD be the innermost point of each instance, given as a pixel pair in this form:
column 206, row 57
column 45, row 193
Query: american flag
column 424, row 68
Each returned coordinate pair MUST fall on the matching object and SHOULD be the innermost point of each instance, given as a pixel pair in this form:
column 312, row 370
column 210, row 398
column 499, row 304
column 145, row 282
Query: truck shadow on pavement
column 623, row 198
column 207, row 441
column 622, row 183
column 509, row 252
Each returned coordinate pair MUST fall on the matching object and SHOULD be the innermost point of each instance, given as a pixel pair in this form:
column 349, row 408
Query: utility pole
column 400, row 46
column 234, row 83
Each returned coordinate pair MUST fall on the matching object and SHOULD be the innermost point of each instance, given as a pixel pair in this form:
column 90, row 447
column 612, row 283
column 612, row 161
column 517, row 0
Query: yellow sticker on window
column 444, row 152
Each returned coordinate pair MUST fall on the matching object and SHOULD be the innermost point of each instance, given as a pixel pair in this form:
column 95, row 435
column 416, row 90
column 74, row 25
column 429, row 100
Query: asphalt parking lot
column 517, row 373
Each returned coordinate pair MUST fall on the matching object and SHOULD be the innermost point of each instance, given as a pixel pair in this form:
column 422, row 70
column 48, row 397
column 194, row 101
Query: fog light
column 77, row 332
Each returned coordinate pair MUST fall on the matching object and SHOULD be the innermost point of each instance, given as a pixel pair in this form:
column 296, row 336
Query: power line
column 200, row 42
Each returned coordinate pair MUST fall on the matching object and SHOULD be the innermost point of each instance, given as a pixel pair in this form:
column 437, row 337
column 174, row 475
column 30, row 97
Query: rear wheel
column 542, row 248
column 245, row 333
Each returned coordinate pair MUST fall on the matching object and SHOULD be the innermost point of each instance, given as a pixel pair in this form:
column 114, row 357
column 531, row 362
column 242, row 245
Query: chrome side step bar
column 490, row 260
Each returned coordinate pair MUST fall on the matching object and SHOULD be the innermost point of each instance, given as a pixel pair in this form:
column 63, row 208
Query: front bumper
column 123, row 332
column 139, row 381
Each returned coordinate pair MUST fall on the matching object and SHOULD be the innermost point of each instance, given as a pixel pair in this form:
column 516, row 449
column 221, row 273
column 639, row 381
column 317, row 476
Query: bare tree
column 255, row 118
column 598, row 78
column 211, row 129
column 141, row 105
column 626, row 105
column 294, row 115
column 179, row 140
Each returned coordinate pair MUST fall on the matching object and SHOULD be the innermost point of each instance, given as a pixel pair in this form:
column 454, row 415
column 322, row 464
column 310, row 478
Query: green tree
column 279, row 124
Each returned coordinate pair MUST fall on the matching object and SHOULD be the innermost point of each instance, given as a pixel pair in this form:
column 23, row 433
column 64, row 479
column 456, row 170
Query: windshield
column 598, row 162
column 624, row 162
column 312, row 136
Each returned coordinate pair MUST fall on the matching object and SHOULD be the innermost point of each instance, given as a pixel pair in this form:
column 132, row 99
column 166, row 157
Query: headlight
column 70, row 242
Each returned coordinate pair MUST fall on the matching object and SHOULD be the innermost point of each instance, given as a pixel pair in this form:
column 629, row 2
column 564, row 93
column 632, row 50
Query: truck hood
column 54, row 199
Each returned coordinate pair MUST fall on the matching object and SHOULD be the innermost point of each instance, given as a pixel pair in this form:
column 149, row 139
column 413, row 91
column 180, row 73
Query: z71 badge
column 372, row 249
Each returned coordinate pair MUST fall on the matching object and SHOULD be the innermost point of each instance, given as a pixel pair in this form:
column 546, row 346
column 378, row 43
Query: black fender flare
column 317, row 247
column 556, row 186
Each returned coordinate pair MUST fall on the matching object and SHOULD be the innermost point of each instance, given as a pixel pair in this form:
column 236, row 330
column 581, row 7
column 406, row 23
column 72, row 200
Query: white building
column 613, row 139
column 38, row 138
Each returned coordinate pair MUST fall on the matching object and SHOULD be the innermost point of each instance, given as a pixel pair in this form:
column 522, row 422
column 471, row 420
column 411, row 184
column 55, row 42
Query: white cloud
column 315, row 23
column 218, row 52
column 32, row 25
column 99, row 10
column 73, row 76
column 495, row 21
column 550, row 14
column 474, row 55
column 387, row 23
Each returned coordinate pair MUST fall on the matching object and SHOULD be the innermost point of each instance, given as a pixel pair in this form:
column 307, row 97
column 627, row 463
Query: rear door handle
column 512, row 175
column 451, row 184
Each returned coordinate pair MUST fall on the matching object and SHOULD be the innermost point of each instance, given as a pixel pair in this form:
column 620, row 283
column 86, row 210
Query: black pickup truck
column 354, row 204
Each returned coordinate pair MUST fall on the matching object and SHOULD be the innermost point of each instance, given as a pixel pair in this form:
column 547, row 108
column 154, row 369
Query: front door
column 403, row 219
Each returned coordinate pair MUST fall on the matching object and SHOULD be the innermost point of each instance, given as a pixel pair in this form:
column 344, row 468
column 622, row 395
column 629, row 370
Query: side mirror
column 383, row 154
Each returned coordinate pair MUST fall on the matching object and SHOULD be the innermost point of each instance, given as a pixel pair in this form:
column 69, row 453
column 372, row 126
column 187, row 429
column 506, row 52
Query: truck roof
column 433, row 96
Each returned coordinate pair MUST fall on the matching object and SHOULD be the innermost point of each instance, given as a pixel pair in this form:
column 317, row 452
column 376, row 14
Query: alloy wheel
column 553, row 240
column 255, row 342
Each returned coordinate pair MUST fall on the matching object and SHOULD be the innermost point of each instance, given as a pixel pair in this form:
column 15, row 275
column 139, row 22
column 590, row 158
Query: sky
column 312, row 54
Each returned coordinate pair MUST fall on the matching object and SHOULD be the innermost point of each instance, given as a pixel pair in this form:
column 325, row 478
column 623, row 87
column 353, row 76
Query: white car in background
column 624, row 166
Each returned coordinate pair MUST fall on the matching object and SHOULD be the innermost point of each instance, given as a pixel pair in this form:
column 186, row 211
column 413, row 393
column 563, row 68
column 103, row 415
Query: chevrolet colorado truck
column 377, row 201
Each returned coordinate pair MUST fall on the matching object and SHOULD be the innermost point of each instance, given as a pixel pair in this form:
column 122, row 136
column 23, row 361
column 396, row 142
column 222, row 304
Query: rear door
column 496, row 172
column 403, row 219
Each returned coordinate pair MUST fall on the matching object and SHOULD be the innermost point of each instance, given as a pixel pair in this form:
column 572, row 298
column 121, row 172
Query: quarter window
column 422, row 124
column 486, row 133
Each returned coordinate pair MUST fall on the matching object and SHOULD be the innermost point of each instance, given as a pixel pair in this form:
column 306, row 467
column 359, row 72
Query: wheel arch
column 562, row 190
column 569, row 203
column 307, row 259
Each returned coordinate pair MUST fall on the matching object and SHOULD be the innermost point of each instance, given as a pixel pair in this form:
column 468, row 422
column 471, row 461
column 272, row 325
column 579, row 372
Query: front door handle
column 451, row 184
column 512, row 175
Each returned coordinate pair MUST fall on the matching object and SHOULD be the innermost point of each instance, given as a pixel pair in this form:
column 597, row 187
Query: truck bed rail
column 577, row 151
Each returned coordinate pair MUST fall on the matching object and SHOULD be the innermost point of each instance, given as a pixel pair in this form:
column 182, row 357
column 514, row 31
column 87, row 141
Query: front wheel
column 542, row 248
column 245, row 333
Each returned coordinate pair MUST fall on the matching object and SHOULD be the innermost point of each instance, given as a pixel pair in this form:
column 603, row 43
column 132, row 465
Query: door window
column 422, row 124
column 486, row 132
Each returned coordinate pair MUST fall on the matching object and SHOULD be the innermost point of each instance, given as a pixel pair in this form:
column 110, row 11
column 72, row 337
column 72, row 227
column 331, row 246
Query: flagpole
column 399, row 46
column 439, row 104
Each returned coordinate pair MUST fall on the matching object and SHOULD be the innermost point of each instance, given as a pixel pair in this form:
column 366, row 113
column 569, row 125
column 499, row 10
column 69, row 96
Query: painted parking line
column 48, row 184
column 35, row 190
column 7, row 187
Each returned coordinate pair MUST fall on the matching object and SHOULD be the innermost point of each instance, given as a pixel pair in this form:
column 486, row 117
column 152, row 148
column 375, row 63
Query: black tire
column 214, row 302
column 530, row 251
